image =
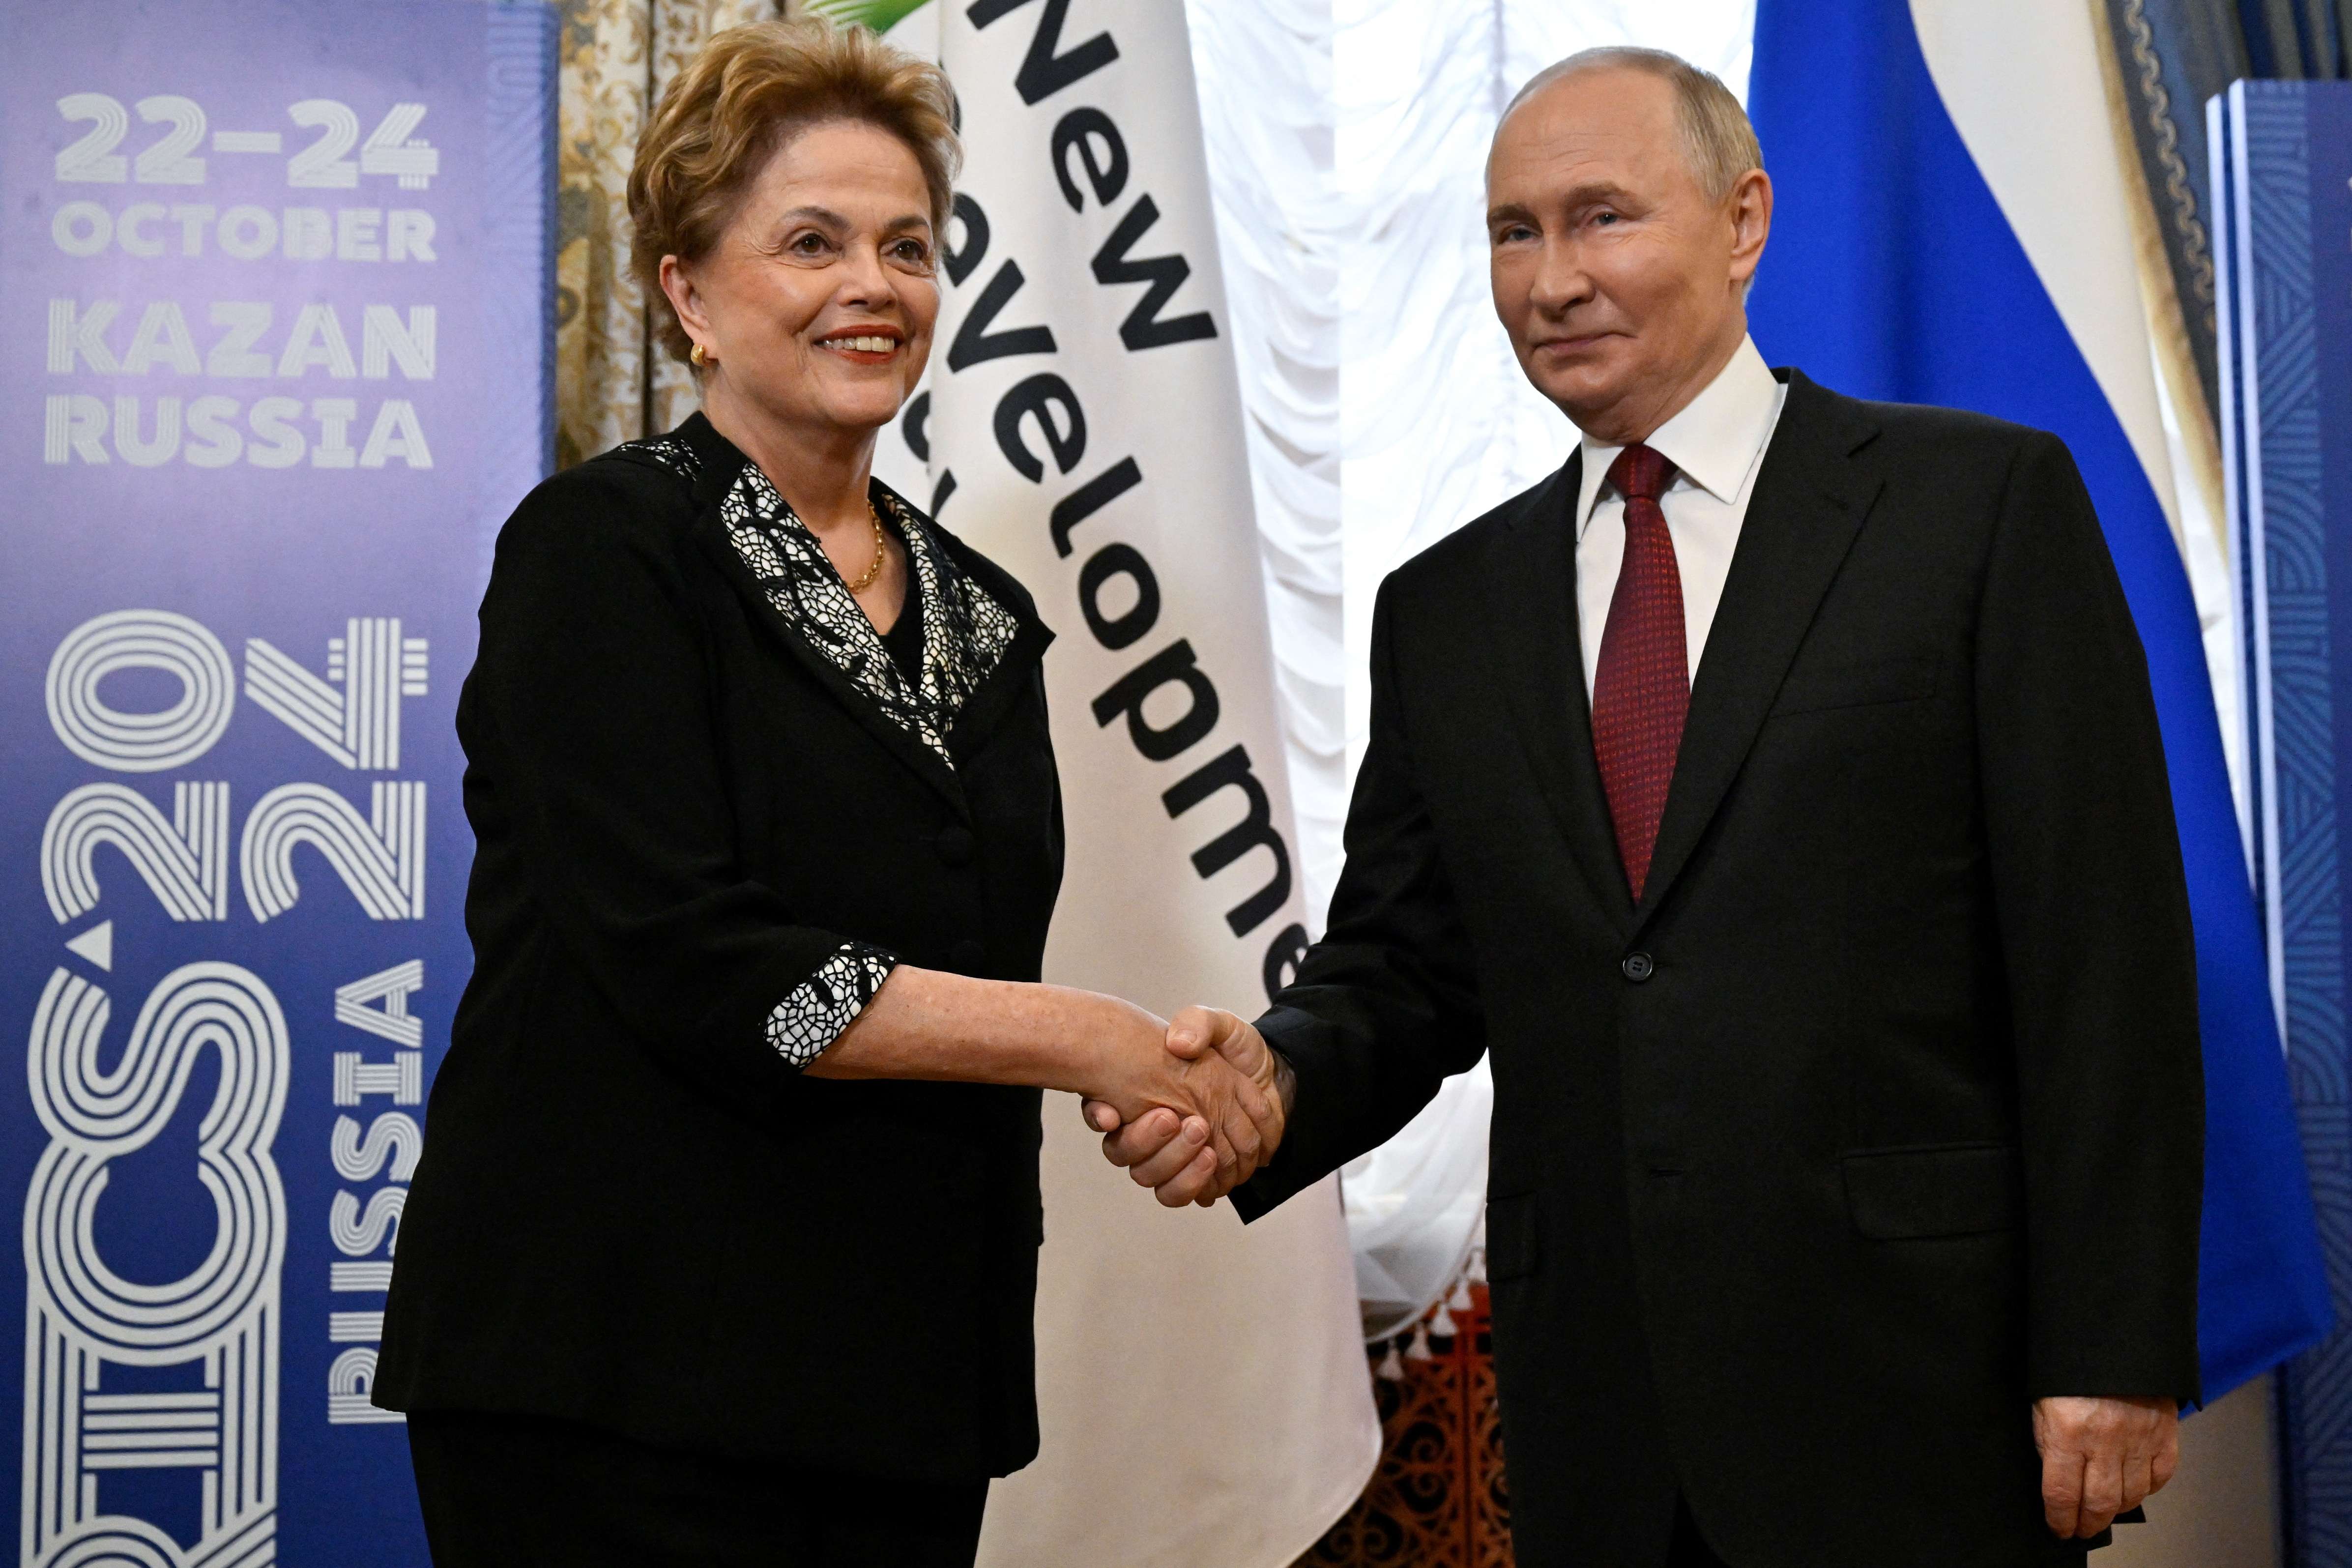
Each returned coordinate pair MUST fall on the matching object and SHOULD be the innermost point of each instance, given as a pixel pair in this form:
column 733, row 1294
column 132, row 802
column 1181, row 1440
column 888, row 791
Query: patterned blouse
column 965, row 631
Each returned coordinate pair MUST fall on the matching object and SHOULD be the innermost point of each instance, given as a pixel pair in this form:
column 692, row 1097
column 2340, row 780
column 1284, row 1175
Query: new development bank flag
column 1950, row 230
column 1203, row 1392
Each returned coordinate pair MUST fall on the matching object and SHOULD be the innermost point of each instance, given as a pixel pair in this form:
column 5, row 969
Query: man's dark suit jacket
column 1880, row 1115
column 631, row 1212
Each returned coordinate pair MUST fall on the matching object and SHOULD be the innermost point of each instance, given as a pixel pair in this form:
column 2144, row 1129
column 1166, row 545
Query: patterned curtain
column 610, row 385
column 2301, row 40
column 2173, row 54
column 1437, row 1499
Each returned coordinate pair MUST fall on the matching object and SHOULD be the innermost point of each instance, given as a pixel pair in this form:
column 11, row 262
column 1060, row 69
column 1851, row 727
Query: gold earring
column 698, row 357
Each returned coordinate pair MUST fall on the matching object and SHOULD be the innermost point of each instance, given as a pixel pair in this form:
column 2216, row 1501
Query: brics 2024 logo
column 215, row 1330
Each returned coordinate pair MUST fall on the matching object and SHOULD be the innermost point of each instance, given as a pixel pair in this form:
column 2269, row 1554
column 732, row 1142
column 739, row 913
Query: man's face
column 1618, row 280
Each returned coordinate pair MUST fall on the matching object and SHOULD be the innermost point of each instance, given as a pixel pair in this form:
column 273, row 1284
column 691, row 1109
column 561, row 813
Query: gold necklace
column 881, row 553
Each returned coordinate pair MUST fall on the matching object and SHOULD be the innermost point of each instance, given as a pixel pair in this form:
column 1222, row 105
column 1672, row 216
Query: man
column 1776, row 794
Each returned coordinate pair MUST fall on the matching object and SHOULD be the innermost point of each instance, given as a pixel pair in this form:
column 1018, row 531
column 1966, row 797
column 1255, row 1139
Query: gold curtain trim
column 2160, row 303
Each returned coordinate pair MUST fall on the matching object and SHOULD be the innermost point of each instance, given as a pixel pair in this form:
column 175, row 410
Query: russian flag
column 1895, row 271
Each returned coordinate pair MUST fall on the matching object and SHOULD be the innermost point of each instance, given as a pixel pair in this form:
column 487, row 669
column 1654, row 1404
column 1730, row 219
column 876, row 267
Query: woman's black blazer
column 630, row 1211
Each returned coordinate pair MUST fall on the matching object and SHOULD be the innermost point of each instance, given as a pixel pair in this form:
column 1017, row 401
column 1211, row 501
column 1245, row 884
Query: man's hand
column 2100, row 1456
column 1165, row 1153
column 1218, row 1120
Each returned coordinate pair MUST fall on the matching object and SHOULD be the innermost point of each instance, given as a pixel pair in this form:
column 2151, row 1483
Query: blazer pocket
column 1513, row 1239
column 1856, row 683
column 1953, row 1189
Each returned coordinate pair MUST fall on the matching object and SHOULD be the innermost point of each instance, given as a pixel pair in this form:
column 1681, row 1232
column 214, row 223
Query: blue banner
column 2282, row 154
column 275, row 277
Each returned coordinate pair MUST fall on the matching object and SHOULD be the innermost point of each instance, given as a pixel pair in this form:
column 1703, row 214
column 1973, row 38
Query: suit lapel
column 1542, row 657
column 721, row 463
column 1809, row 503
column 999, row 691
column 712, row 535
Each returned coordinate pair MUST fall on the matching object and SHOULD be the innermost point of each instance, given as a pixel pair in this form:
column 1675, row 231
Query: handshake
column 1192, row 1108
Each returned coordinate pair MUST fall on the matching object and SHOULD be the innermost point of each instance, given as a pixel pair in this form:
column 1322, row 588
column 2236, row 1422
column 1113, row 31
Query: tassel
column 1477, row 1272
column 1441, row 1326
column 1461, row 1301
column 1419, row 1349
column 1391, row 1368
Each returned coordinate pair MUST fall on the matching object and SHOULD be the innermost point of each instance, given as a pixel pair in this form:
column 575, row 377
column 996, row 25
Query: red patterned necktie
column 1641, row 690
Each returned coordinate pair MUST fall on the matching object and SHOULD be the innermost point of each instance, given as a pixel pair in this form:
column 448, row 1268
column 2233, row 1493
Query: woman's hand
column 1217, row 1116
column 1174, row 1156
column 1218, row 1108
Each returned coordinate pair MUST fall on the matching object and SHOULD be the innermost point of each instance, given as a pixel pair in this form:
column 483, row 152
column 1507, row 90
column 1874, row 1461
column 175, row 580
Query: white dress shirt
column 1717, row 444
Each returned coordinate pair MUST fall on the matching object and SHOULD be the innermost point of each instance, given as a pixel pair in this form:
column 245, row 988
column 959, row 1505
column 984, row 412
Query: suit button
column 956, row 846
column 1637, row 967
column 967, row 956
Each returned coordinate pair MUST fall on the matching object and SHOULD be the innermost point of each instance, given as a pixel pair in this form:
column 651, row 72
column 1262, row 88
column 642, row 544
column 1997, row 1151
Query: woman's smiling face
column 817, row 306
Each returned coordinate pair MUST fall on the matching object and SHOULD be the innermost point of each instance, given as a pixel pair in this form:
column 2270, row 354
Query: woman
column 724, row 1244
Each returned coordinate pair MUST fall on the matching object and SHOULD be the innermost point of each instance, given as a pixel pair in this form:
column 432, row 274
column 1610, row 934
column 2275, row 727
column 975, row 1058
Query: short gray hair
column 1718, row 143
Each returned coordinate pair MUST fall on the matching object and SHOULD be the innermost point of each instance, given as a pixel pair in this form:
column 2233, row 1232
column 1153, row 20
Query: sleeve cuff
column 813, row 1013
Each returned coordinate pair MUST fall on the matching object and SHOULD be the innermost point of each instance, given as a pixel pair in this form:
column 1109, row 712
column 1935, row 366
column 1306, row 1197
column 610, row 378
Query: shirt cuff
column 813, row 1013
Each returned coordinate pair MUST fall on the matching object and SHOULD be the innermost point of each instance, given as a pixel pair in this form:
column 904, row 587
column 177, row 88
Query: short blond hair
column 738, row 100
column 1718, row 143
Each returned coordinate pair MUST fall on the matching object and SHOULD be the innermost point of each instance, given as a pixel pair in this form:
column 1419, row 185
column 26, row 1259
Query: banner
column 275, row 366
column 1203, row 1388
column 2282, row 159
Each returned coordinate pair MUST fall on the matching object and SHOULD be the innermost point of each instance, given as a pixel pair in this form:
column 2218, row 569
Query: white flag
column 1202, row 1386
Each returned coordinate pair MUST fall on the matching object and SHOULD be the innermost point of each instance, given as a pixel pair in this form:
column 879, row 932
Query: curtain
column 2296, row 39
column 1438, row 1499
column 612, row 384
column 2173, row 54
